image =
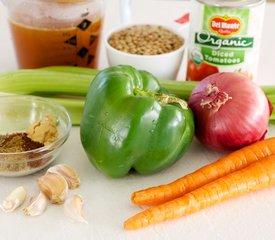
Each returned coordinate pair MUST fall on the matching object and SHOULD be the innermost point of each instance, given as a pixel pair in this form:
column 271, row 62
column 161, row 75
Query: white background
column 107, row 201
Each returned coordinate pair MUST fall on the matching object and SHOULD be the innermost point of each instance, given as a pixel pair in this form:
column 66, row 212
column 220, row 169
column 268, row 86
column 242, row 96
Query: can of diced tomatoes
column 224, row 36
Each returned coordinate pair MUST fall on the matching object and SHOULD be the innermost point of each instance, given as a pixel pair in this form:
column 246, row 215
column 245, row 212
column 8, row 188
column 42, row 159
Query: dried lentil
column 145, row 40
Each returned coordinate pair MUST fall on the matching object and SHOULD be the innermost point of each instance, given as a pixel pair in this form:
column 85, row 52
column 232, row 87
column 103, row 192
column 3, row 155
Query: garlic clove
column 73, row 209
column 54, row 186
column 37, row 205
column 14, row 199
column 68, row 173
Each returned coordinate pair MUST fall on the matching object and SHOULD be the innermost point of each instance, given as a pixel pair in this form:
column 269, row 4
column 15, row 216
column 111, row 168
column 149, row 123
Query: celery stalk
column 181, row 89
column 74, row 107
column 42, row 81
column 68, row 86
column 71, row 69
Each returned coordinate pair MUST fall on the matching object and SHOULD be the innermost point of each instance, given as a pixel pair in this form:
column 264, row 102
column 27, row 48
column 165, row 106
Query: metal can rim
column 233, row 3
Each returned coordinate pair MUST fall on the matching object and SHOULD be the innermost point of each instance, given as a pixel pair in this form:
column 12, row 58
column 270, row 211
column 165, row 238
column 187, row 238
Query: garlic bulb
column 68, row 173
column 73, row 209
column 54, row 186
column 14, row 199
column 37, row 205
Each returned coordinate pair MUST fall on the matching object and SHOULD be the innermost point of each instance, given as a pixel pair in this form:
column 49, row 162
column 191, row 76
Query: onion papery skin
column 241, row 120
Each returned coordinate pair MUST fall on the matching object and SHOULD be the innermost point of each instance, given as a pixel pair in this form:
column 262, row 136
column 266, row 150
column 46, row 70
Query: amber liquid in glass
column 75, row 46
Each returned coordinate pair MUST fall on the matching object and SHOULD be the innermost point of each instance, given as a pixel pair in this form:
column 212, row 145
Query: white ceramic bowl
column 164, row 66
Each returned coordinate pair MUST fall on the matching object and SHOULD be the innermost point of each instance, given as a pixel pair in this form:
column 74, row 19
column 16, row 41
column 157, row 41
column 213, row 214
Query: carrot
column 256, row 176
column 225, row 165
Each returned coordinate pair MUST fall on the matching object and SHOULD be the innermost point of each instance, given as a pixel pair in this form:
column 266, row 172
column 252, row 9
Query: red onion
column 230, row 111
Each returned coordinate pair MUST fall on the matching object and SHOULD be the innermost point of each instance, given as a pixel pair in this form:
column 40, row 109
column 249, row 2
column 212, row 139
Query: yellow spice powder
column 44, row 131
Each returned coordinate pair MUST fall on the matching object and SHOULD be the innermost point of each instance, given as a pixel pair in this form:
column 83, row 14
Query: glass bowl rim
column 47, row 148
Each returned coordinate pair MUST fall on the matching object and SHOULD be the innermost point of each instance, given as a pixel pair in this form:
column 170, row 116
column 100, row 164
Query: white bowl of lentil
column 32, row 133
column 154, row 48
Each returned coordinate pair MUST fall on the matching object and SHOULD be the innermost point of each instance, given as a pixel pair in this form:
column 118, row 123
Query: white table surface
column 106, row 200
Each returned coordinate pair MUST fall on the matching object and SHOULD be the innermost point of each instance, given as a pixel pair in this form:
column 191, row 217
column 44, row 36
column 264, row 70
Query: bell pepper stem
column 162, row 98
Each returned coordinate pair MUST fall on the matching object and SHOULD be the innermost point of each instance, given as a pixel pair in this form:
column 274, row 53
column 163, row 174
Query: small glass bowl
column 17, row 114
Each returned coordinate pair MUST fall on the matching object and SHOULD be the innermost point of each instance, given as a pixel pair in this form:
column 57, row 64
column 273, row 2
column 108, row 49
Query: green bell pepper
column 130, row 123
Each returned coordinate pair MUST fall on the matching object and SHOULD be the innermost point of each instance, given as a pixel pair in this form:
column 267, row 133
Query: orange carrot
column 256, row 176
column 225, row 165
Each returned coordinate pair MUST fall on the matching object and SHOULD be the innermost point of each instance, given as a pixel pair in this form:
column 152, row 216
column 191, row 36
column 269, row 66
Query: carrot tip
column 128, row 225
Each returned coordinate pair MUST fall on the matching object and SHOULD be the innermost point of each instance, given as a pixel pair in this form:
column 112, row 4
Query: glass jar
column 56, row 32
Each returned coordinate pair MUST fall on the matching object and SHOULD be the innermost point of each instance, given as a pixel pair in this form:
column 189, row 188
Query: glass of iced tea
column 56, row 32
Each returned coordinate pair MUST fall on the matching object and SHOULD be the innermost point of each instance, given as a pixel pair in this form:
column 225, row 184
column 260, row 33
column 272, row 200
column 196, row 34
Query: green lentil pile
column 145, row 40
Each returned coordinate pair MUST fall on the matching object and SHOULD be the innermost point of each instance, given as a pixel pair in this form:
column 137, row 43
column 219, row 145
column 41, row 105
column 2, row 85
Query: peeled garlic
column 68, row 173
column 14, row 200
column 73, row 209
column 54, row 186
column 37, row 205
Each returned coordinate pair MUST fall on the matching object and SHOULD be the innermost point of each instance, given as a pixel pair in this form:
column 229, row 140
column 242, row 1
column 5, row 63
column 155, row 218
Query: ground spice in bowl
column 17, row 150
column 17, row 142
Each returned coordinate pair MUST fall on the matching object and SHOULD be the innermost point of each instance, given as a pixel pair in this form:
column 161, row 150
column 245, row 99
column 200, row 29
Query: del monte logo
column 225, row 26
